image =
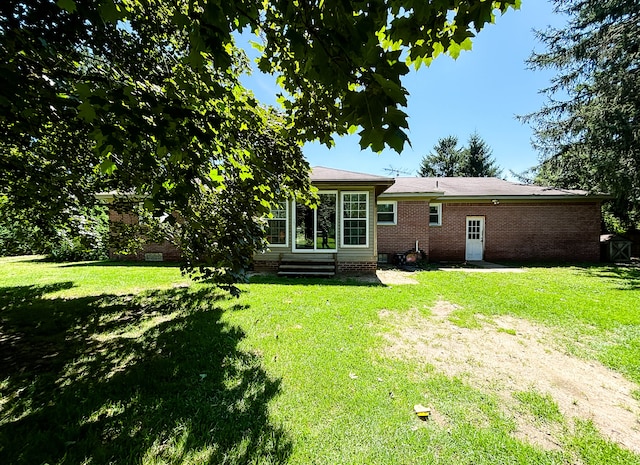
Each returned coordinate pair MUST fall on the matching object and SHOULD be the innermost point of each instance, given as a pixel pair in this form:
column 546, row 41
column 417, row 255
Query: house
column 340, row 235
column 463, row 219
column 362, row 220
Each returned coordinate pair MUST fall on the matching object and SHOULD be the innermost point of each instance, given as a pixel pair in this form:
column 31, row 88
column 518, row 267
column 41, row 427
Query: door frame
column 294, row 219
column 467, row 250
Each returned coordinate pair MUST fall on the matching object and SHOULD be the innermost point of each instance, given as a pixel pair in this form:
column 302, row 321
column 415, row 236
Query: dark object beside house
column 634, row 236
column 615, row 248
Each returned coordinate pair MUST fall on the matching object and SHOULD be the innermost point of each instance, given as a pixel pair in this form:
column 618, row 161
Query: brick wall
column 169, row 251
column 412, row 224
column 266, row 265
column 356, row 267
column 521, row 231
column 126, row 218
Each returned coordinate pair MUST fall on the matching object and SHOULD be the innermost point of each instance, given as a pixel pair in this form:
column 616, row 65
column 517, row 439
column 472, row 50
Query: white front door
column 475, row 238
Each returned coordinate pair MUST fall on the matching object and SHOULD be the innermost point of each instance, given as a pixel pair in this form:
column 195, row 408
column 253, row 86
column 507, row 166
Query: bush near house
column 84, row 236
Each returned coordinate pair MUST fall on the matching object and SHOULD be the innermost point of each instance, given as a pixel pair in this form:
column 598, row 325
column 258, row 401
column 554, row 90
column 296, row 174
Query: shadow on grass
column 130, row 379
column 128, row 264
column 90, row 263
column 626, row 277
column 364, row 281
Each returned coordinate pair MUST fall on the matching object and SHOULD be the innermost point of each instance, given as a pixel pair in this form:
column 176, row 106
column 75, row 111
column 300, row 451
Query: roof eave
column 443, row 196
column 527, row 197
column 404, row 195
column 380, row 185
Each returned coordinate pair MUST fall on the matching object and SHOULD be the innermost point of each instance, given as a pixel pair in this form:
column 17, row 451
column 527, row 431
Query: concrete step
column 308, row 266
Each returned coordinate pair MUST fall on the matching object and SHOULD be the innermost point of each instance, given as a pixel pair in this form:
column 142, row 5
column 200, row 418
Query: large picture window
column 277, row 225
column 435, row 214
column 387, row 212
column 355, row 219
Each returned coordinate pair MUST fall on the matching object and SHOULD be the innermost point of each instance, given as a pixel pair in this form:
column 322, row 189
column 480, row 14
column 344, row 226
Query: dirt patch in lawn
column 390, row 277
column 508, row 356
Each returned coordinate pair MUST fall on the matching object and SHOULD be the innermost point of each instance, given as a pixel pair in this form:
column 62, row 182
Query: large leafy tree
column 145, row 96
column 589, row 130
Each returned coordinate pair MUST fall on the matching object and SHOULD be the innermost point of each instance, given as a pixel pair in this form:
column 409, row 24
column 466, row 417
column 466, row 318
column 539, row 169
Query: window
column 473, row 230
column 355, row 219
column 315, row 228
column 277, row 226
column 435, row 214
column 387, row 212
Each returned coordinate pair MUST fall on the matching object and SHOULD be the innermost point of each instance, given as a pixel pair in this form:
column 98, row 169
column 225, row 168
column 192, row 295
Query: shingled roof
column 329, row 176
column 463, row 187
column 322, row 174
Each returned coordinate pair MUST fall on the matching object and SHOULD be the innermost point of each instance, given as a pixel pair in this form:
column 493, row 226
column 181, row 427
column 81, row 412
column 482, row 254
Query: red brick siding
column 266, row 265
column 126, row 218
column 412, row 224
column 519, row 231
column 356, row 267
column 169, row 251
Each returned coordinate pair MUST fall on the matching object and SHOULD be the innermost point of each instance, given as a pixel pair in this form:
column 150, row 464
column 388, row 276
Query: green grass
column 542, row 406
column 121, row 363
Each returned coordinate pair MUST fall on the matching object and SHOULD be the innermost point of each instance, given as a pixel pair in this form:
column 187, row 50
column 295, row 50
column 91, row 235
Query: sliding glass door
column 315, row 228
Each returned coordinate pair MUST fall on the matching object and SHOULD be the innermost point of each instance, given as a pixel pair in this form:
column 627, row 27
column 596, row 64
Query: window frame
column 438, row 207
column 344, row 219
column 294, row 220
column 393, row 222
column 286, row 224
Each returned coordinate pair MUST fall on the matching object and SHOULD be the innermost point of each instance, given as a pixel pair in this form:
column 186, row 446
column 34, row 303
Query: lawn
column 125, row 363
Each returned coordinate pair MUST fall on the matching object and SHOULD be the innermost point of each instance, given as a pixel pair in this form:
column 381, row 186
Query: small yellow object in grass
column 422, row 411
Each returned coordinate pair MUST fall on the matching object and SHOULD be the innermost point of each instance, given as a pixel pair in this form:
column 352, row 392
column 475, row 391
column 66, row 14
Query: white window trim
column 439, row 206
column 395, row 212
column 342, row 220
column 287, row 210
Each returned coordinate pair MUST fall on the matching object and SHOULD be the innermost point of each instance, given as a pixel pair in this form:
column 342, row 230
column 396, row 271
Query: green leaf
column 107, row 166
column 215, row 176
column 391, row 88
column 67, row 5
column 466, row 44
column 372, row 139
column 396, row 140
column 244, row 175
column 86, row 111
column 454, row 50
column 110, row 12
column 396, row 117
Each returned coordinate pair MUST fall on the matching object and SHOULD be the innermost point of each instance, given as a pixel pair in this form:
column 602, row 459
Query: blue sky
column 481, row 91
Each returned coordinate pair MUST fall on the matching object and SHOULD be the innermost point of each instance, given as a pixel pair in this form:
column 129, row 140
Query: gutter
column 440, row 196
column 412, row 195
